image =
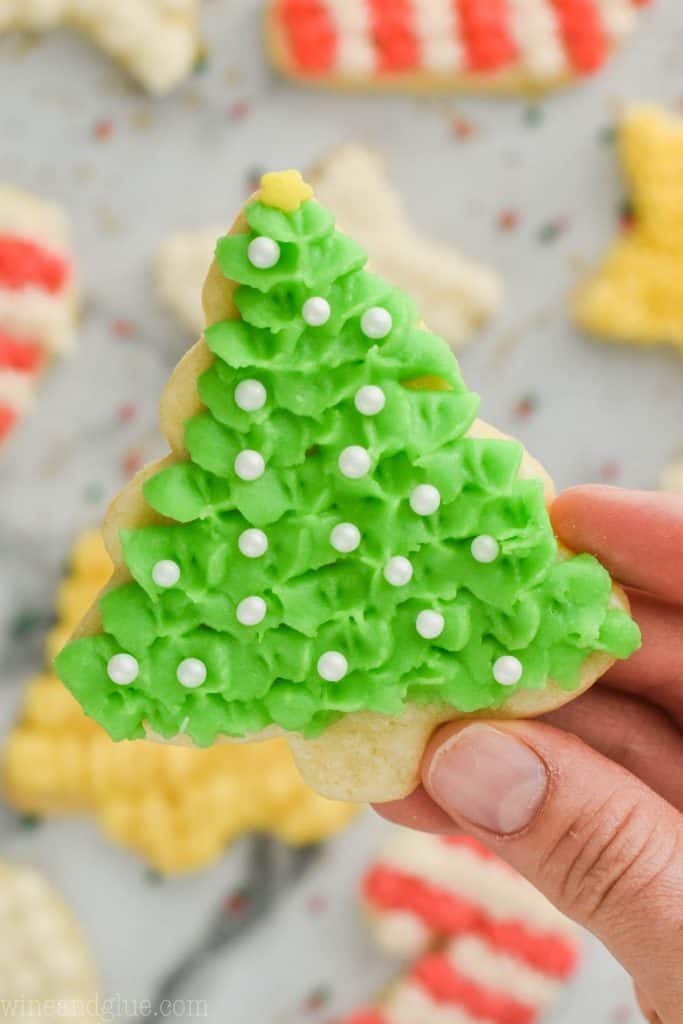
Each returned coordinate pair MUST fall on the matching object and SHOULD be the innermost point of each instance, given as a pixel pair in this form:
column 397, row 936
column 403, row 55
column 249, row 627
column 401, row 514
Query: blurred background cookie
column 157, row 41
column 38, row 298
column 505, row 46
column 46, row 970
column 637, row 293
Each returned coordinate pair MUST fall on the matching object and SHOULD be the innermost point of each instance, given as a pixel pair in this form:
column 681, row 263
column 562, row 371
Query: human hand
column 588, row 802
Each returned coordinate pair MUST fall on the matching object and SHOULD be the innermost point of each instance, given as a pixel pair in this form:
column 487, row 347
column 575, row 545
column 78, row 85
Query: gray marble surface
column 592, row 411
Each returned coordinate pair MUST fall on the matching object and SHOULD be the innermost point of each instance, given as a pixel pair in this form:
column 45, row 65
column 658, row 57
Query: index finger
column 637, row 535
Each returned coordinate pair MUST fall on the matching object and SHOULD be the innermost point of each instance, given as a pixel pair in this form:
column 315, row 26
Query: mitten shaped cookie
column 335, row 549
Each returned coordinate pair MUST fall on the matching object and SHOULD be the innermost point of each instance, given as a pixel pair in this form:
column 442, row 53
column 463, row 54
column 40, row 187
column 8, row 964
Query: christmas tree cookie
column 499, row 46
column 335, row 549
column 637, row 294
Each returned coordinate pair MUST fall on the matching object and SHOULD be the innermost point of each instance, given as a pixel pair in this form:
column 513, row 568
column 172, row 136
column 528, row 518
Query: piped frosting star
column 284, row 190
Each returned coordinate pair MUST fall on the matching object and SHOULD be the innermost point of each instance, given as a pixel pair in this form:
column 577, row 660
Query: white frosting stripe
column 618, row 17
column 410, row 1004
column 17, row 390
column 438, row 31
column 486, row 883
column 536, row 32
column 356, row 52
column 38, row 316
column 473, row 958
column 400, row 932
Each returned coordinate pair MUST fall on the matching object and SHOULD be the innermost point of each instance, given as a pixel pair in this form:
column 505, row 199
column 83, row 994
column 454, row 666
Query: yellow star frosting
column 177, row 807
column 285, row 190
column 637, row 294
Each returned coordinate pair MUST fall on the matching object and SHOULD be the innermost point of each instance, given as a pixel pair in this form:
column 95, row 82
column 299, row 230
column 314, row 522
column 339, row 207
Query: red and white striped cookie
column 424, row 889
column 490, row 949
column 37, row 298
column 472, row 45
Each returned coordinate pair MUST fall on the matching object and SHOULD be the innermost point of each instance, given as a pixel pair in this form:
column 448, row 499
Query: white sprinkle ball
column 398, row 571
column 253, row 543
column 250, row 395
column 354, row 462
column 370, row 400
column 332, row 666
column 191, row 673
column 507, row 670
column 345, row 537
column 249, row 465
column 251, row 611
column 376, row 323
column 263, row 252
column 123, row 669
column 485, row 549
column 166, row 573
column 316, row 311
column 425, row 500
column 430, row 624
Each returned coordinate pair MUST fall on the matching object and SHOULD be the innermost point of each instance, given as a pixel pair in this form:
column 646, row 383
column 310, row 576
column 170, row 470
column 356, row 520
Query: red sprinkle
column 131, row 463
column 103, row 129
column 508, row 220
column 126, row 412
column 123, row 328
column 24, row 263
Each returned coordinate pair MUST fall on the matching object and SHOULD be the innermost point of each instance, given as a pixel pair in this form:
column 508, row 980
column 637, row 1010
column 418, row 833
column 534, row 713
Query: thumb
column 602, row 846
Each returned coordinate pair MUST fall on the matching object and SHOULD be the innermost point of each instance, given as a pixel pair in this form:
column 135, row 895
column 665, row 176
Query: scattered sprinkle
column 201, row 63
column 153, row 877
column 29, row 822
column 610, row 471
column 552, row 230
column 317, row 903
column 626, row 215
column 236, row 904
column 123, row 328
column 525, row 407
column 93, row 492
column 508, row 220
column 317, row 998
column 607, row 135
column 28, row 621
column 126, row 412
column 131, row 462
column 463, row 128
column 239, row 110
column 103, row 129
column 533, row 115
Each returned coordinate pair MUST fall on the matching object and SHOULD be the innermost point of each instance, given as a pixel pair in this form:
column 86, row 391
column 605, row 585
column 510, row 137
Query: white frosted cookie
column 157, row 41
column 455, row 294
column 501, row 46
column 38, row 298
column 46, row 970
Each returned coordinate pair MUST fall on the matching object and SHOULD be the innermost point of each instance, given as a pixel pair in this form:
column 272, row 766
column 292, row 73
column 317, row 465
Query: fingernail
column 488, row 778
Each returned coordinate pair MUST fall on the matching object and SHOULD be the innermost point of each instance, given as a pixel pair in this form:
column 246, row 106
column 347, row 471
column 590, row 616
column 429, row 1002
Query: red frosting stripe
column 24, row 263
column 583, row 34
column 8, row 419
column 365, row 1017
column 20, row 354
column 311, row 34
column 448, row 915
column 487, row 34
column 436, row 975
column 393, row 33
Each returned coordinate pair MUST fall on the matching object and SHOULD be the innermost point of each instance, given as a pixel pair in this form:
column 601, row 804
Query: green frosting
column 549, row 614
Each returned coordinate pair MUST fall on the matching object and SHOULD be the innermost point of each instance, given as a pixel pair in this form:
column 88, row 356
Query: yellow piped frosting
column 637, row 294
column 177, row 807
column 284, row 190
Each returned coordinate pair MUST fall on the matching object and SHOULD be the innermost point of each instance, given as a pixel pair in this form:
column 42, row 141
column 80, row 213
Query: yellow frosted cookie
column 637, row 295
column 335, row 549
column 157, row 41
column 175, row 806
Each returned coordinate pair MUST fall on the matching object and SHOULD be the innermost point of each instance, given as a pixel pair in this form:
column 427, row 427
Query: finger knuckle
column 604, row 857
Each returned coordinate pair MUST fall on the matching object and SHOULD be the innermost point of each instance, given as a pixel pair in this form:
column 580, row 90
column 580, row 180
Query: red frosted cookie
column 37, row 298
column 469, row 45
column 490, row 948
